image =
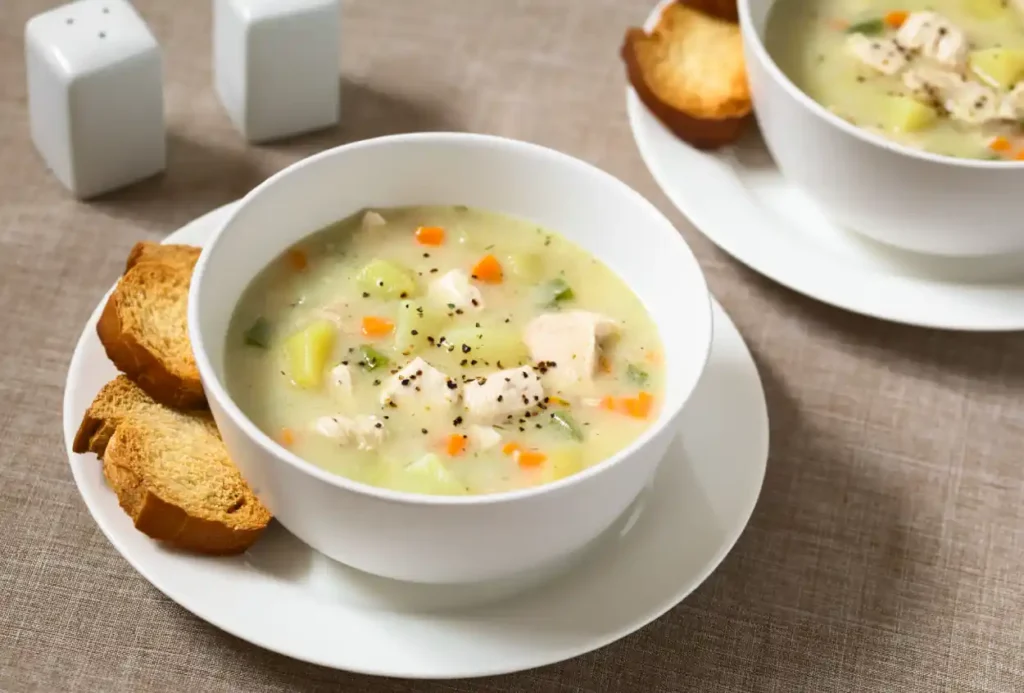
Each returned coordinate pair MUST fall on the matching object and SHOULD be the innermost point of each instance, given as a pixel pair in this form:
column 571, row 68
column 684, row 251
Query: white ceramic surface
column 95, row 95
column 275, row 65
column 444, row 539
column 741, row 202
column 896, row 195
column 285, row 597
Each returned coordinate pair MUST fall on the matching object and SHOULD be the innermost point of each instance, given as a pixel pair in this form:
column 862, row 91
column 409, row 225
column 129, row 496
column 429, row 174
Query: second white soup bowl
column 437, row 539
column 899, row 196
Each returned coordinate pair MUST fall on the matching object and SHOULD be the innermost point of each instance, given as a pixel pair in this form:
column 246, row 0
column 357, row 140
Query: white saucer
column 739, row 200
column 287, row 598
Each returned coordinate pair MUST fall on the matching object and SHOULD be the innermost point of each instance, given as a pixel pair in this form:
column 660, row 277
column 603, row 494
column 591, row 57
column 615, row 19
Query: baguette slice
column 143, row 327
column 170, row 471
column 690, row 73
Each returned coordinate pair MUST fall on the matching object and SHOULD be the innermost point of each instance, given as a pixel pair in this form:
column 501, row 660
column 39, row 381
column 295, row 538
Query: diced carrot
column 456, row 445
column 511, row 448
column 608, row 403
column 297, row 259
column 640, row 406
column 1020, row 155
column 654, row 357
column 430, row 235
column 1000, row 144
column 530, row 458
column 896, row 18
column 287, row 437
column 374, row 326
column 558, row 400
column 488, row 269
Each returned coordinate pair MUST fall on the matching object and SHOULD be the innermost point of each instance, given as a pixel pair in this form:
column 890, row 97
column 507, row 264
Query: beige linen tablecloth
column 886, row 552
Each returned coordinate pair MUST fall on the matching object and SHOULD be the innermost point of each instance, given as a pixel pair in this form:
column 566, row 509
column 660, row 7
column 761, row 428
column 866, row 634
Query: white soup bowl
column 436, row 539
column 903, row 197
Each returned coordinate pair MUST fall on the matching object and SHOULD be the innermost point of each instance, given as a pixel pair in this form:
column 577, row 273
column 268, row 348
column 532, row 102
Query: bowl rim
column 216, row 390
column 757, row 47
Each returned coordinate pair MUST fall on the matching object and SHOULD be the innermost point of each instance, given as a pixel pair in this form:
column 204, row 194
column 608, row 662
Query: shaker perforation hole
column 69, row 20
column 103, row 34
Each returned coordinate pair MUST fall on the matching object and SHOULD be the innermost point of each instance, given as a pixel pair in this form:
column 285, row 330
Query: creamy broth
column 949, row 81
column 319, row 344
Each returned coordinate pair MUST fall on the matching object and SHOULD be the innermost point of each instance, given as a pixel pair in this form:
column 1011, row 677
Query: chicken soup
column 946, row 76
column 444, row 350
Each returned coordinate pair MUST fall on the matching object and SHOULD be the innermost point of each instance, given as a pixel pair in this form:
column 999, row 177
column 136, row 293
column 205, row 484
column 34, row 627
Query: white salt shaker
column 275, row 65
column 95, row 95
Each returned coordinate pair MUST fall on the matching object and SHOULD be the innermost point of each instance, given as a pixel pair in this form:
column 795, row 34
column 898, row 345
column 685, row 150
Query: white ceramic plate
column 285, row 597
column 739, row 200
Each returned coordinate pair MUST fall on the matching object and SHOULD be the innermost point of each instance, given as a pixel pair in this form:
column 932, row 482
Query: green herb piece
column 371, row 359
column 637, row 375
column 555, row 291
column 258, row 335
column 568, row 424
column 869, row 27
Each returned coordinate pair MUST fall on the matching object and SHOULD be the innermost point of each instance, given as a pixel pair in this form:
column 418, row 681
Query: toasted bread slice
column 690, row 73
column 143, row 327
column 170, row 471
column 147, row 251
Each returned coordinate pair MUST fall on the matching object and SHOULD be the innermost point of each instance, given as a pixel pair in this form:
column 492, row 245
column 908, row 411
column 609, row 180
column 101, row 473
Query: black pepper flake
column 433, row 270
column 466, row 349
column 380, row 282
column 464, row 362
column 500, row 398
column 458, row 311
column 430, row 340
column 473, row 362
column 392, row 404
column 426, row 254
column 414, row 332
column 475, row 303
column 404, row 294
column 452, row 385
column 457, row 421
column 378, row 425
column 499, row 365
column 521, row 429
column 482, row 381
column 405, row 381
column 376, row 382
column 424, row 431
column 366, row 294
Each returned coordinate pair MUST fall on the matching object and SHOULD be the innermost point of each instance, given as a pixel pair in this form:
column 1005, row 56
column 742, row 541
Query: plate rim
column 173, row 593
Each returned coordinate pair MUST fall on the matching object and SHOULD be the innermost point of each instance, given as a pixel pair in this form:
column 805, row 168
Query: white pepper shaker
column 275, row 65
column 95, row 95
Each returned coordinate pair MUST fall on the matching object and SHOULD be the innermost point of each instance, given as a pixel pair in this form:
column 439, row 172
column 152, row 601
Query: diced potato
column 563, row 461
column 490, row 344
column 904, row 114
column 386, row 279
column 427, row 475
column 414, row 316
column 1000, row 67
column 526, row 267
column 306, row 353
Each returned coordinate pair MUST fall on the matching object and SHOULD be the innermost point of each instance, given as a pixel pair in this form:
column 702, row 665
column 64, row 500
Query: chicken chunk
column 455, row 289
column 372, row 220
column 420, row 385
column 366, row 432
column 934, row 37
column 965, row 100
column 1012, row 105
column 483, row 437
column 883, row 55
column 569, row 343
column 341, row 380
column 502, row 395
